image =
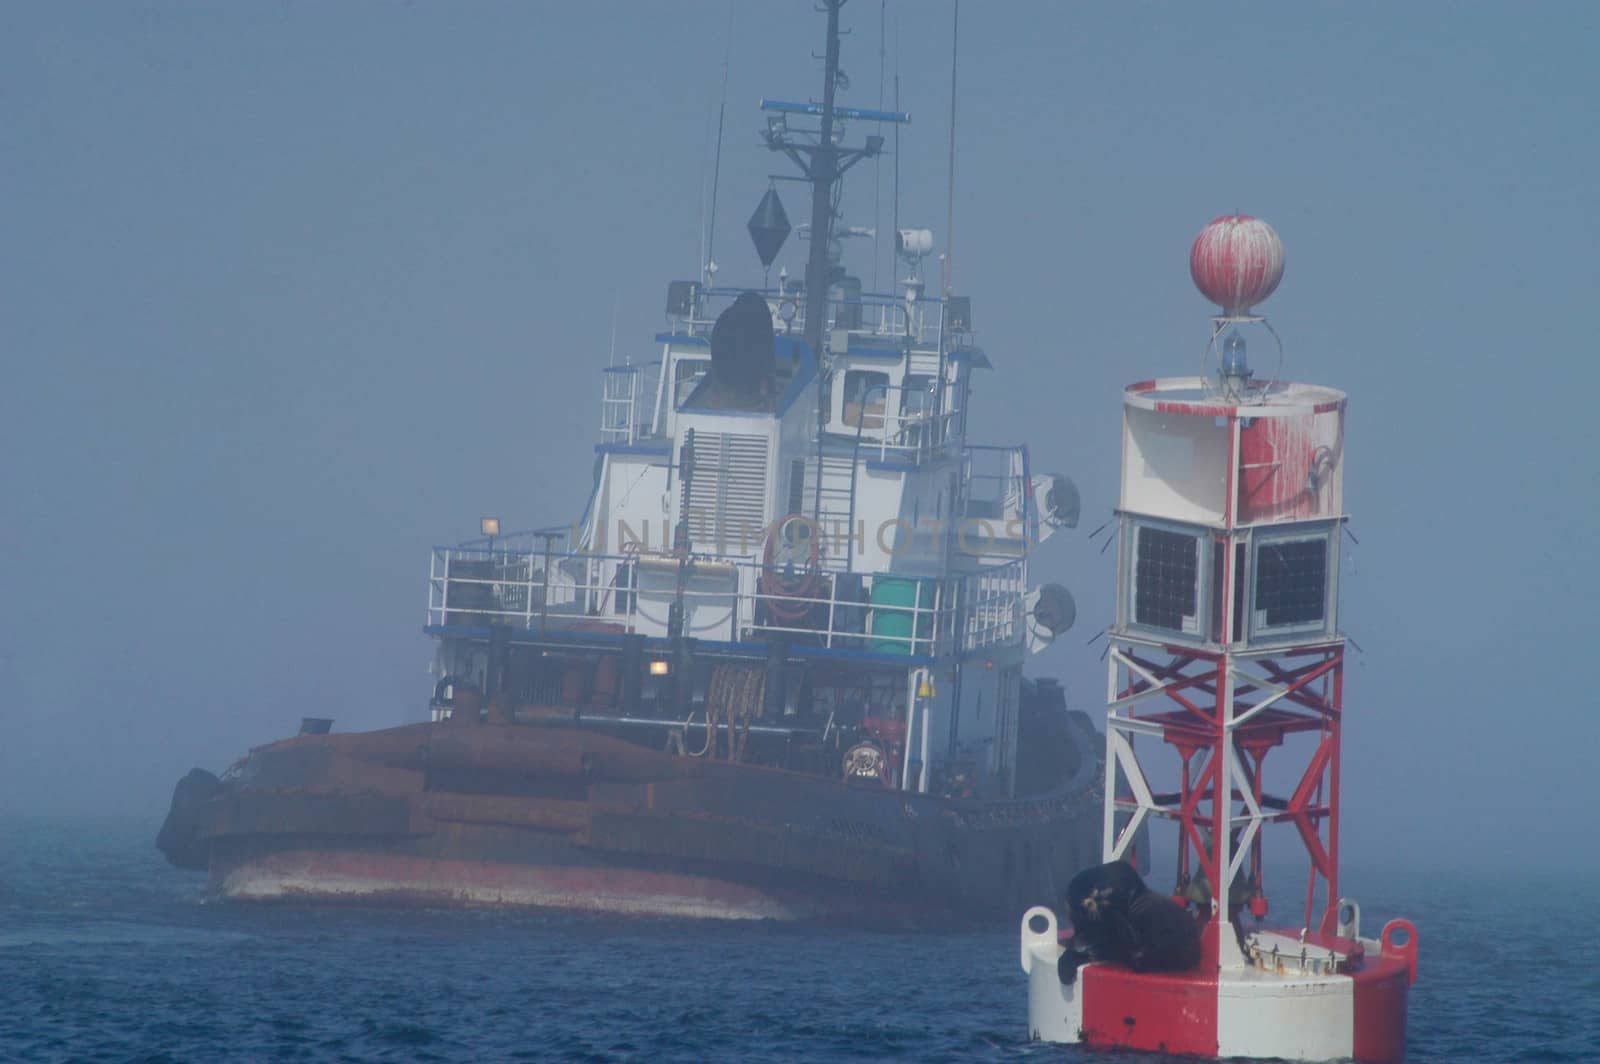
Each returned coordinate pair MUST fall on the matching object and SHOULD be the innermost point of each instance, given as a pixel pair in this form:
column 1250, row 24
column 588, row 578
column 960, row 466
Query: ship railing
column 995, row 610
column 995, row 480
column 715, row 598
column 625, row 402
column 904, row 423
column 880, row 315
column 557, row 538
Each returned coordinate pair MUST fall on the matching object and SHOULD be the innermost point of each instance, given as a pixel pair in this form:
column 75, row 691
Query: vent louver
column 726, row 501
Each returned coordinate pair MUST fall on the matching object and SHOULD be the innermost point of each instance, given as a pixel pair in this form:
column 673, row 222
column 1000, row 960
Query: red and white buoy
column 1226, row 648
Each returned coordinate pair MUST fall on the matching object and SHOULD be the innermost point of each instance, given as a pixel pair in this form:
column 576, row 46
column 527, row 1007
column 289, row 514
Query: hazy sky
column 292, row 291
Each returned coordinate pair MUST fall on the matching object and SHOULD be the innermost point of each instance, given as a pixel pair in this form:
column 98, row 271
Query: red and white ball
column 1236, row 262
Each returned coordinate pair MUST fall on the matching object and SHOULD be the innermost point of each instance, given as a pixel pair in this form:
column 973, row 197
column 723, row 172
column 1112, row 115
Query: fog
column 292, row 292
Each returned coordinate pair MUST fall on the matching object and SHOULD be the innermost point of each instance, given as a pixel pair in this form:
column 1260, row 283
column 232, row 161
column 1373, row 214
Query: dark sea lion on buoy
column 1116, row 918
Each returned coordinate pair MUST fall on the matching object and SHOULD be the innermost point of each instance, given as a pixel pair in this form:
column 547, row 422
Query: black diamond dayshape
column 769, row 227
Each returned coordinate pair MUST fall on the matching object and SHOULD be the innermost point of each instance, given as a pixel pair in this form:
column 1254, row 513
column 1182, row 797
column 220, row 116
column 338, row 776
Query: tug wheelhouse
column 824, row 528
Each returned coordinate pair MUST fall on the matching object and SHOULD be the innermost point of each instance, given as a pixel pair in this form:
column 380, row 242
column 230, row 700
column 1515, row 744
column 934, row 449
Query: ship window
column 916, row 403
column 864, row 392
column 1166, row 581
column 1291, row 582
column 917, row 398
column 685, row 375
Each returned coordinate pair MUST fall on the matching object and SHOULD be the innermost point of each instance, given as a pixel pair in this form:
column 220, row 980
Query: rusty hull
column 552, row 815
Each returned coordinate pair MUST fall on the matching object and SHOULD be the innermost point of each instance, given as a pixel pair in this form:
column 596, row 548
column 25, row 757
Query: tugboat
column 775, row 670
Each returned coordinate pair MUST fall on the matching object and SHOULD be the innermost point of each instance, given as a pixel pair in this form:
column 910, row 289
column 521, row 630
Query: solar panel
column 1166, row 582
column 1291, row 582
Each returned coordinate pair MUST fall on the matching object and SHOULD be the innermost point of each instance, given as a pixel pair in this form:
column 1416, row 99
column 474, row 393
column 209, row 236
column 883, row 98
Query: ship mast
column 822, row 161
column 824, row 173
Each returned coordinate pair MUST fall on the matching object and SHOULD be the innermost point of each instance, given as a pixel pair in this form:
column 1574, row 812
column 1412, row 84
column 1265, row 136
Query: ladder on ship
column 834, row 500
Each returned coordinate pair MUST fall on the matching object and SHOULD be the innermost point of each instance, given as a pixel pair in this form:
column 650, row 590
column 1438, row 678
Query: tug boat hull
column 565, row 818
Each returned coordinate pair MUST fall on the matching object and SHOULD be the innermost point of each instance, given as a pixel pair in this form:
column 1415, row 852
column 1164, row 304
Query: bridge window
column 917, row 397
column 864, row 393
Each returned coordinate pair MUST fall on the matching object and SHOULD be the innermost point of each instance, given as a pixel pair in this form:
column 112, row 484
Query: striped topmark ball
column 1236, row 262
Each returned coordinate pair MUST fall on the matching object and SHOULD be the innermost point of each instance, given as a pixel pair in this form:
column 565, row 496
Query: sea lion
column 1116, row 918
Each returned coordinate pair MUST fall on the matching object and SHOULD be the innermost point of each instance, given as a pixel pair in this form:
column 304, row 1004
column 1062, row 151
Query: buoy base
column 1238, row 1009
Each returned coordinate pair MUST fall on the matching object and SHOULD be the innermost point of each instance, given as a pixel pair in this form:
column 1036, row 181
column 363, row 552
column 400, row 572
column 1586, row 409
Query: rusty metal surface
column 553, row 797
column 560, row 752
column 764, row 845
column 403, row 746
column 543, row 814
column 251, row 812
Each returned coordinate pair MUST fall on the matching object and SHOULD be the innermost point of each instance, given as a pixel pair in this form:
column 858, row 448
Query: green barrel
column 893, row 600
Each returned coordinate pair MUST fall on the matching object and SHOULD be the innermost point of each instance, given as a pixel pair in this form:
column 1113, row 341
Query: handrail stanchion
column 527, row 603
column 833, row 598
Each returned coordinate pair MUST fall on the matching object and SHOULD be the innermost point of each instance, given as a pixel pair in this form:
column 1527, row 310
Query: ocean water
column 108, row 954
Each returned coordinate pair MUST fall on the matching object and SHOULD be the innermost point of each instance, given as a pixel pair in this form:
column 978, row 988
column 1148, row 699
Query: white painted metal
column 1055, row 1011
column 1262, row 1014
column 1120, row 754
column 1176, row 454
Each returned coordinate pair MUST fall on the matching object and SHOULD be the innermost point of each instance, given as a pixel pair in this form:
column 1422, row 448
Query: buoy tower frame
column 1224, row 703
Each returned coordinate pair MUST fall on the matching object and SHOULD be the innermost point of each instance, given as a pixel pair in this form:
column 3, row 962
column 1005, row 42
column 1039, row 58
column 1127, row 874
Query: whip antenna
column 950, row 208
column 708, row 267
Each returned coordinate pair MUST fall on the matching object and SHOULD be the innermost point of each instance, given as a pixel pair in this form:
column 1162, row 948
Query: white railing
column 717, row 599
column 625, row 402
column 893, row 431
column 994, row 607
column 878, row 315
column 996, row 484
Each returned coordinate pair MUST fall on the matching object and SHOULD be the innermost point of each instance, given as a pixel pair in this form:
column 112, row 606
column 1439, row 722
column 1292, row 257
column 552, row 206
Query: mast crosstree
column 823, row 160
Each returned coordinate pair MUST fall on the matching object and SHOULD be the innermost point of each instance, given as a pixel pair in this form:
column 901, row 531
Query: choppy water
column 107, row 954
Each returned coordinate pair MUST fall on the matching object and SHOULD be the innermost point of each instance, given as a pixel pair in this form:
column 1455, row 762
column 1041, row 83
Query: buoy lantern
column 1236, row 262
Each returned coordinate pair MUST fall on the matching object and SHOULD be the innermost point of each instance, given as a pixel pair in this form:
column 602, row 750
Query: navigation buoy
column 1226, row 651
